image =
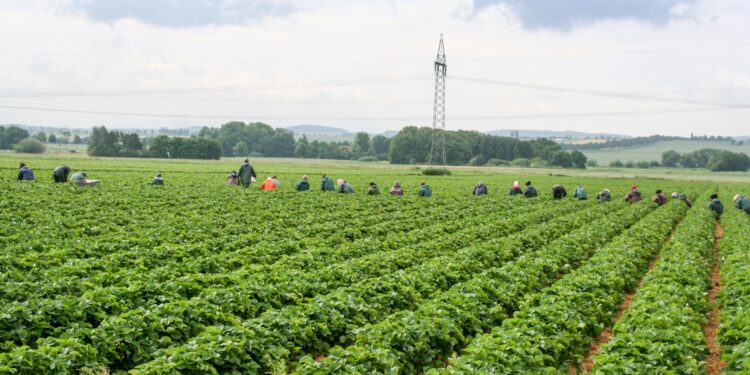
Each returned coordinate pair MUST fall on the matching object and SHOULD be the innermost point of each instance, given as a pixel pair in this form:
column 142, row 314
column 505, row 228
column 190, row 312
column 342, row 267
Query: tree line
column 103, row 142
column 412, row 146
column 258, row 139
column 712, row 159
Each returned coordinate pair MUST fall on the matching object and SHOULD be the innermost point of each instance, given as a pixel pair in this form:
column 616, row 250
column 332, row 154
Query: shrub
column 29, row 146
column 498, row 162
column 616, row 164
column 478, row 160
column 521, row 162
column 436, row 172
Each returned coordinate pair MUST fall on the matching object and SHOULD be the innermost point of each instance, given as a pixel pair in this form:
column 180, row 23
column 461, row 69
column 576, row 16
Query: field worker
column 276, row 181
column 480, row 189
column 530, row 191
column 742, row 203
column 396, row 189
column 659, row 198
column 79, row 179
column 634, row 195
column 268, row 184
column 558, row 192
column 25, row 173
column 302, row 185
column 60, row 174
column 604, row 196
column 373, row 189
column 580, row 193
column 326, row 184
column 715, row 205
column 232, row 179
column 344, row 187
column 424, row 190
column 516, row 189
column 247, row 174
column 682, row 197
column 158, row 180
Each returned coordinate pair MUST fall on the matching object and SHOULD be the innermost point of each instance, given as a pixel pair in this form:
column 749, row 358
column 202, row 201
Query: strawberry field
column 196, row 277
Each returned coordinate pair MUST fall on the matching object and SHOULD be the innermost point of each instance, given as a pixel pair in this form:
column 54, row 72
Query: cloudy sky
column 623, row 66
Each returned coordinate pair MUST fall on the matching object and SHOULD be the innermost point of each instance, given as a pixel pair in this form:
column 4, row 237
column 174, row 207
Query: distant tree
column 41, row 137
column 362, row 143
column 52, row 138
column 592, row 163
column 616, row 164
column 77, row 139
column 11, row 135
column 131, row 145
column 670, row 158
column 729, row 161
column 379, row 146
column 302, row 148
column 562, row 159
column 240, row 149
column 29, row 146
column 103, row 142
column 579, row 159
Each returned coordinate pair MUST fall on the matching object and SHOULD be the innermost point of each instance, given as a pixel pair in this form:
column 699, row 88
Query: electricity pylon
column 438, row 112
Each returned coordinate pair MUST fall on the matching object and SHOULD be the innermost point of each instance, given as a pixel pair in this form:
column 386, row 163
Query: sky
column 636, row 67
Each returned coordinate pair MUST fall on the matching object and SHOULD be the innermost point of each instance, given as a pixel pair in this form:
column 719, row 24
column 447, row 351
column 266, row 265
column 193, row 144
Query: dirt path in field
column 714, row 364
column 605, row 335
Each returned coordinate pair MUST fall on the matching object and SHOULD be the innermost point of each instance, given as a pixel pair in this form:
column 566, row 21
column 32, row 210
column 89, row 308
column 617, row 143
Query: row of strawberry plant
column 558, row 324
column 409, row 340
column 662, row 331
column 117, row 328
column 257, row 247
column 734, row 326
column 34, row 319
column 282, row 335
column 264, row 248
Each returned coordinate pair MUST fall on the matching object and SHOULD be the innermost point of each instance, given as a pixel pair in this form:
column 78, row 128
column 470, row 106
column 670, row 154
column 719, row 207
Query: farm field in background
column 197, row 277
column 654, row 151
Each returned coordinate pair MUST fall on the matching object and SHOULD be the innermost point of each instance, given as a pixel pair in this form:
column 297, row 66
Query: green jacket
column 246, row 172
column 425, row 191
column 302, row 186
column 326, row 184
column 373, row 190
column 515, row 191
column 743, row 204
column 580, row 193
column 716, row 206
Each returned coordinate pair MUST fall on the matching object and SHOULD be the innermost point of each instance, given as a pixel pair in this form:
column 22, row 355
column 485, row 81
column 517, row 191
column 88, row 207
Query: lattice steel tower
column 438, row 113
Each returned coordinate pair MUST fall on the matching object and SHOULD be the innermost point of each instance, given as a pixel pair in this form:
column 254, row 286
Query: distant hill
column 317, row 130
column 554, row 134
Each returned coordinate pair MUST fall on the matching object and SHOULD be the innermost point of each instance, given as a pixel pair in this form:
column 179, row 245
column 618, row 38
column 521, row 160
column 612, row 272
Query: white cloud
column 48, row 48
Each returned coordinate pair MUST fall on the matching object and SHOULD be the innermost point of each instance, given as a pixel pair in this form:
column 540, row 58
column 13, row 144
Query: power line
column 379, row 118
column 214, row 90
column 618, row 95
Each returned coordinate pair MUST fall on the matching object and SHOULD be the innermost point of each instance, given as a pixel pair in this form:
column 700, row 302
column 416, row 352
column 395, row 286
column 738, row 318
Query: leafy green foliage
column 662, row 331
column 734, row 328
